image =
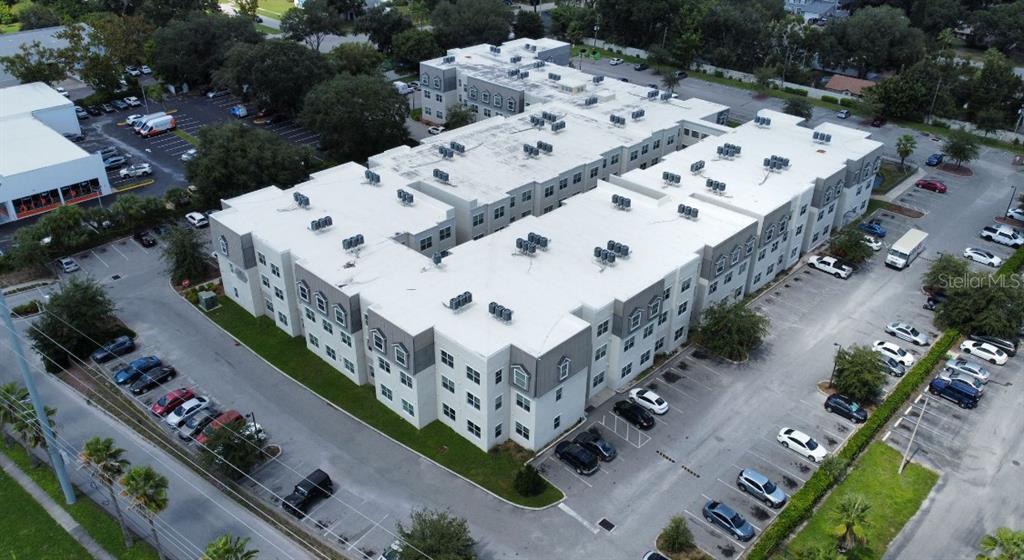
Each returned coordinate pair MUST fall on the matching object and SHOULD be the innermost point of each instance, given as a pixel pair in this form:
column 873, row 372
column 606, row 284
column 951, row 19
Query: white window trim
column 521, row 378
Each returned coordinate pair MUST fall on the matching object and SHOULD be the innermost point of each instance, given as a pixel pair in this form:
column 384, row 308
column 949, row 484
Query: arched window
column 472, row 92
column 437, row 82
column 735, row 254
column 771, row 233
column 303, row 291
column 425, row 79
column 720, row 265
column 321, row 303
column 750, row 244
column 485, row 96
column 497, row 100
column 224, row 245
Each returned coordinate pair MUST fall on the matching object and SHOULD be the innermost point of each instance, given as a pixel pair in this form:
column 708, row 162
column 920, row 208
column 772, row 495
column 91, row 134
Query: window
column 472, row 400
column 615, row 159
column 511, row 104
column 527, row 196
column 437, row 82
column 447, row 359
column 485, row 96
column 602, row 328
column 473, row 375
column 760, row 255
column 314, row 341
column 771, row 233
column 684, row 286
column 349, row 365
column 775, row 246
column 499, row 212
column 497, row 100
column 407, row 407
column 444, row 233
column 282, row 318
column 728, row 277
column 799, row 229
column 340, row 316
column 645, row 357
column 682, row 307
column 497, row 377
column 478, row 219
column 549, row 191
column 601, row 352
column 426, row 243
column 520, row 378
column 557, row 422
column 648, row 330
column 472, row 428
column 522, row 430
column 275, row 270
column 224, row 245
column 735, row 258
column 279, row 293
column 643, row 150
column 577, row 177
column 497, row 431
column 472, row 92
column 634, row 320
column 593, row 172
column 628, row 369
column 310, row 315
column 598, row 379
column 670, row 140
column 679, row 333
column 720, row 265
column 803, row 209
column 346, row 339
column 378, row 341
column 633, row 155
column 497, row 402
column 630, row 342
column 448, row 384
column 331, row 353
column 383, row 364
column 713, row 288
column 448, row 411
column 655, row 307
column 487, row 112
column 328, row 328
column 401, row 356
column 270, row 306
column 264, row 280
column 659, row 344
column 321, row 303
column 261, row 257
column 558, row 394
column 385, row 392
column 303, row 292
column 548, row 209
column 662, row 318
column 523, row 402
column 563, row 368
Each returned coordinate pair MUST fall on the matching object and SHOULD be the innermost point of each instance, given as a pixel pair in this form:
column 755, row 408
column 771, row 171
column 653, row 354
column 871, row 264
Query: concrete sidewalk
column 54, row 509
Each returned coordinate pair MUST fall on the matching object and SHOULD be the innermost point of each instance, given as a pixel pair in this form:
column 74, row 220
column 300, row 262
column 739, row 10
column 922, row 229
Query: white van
column 197, row 220
column 141, row 121
column 402, row 88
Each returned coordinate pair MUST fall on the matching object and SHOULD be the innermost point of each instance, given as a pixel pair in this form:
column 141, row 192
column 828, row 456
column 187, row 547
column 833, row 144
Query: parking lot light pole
column 1009, row 205
column 835, row 364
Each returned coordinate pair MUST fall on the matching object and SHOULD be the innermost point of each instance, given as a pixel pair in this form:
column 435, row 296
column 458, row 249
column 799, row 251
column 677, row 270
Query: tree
column 764, row 77
column 859, row 374
column 356, row 58
column 981, row 304
column 76, row 318
column 110, row 465
column 356, row 116
column 676, row 536
column 905, row 145
column 415, row 45
column 528, row 24
column 460, row 23
column 798, row 106
column 37, row 16
column 27, row 425
column 278, row 73
column 147, row 490
column 233, row 449
column 961, row 145
column 34, row 63
column 64, row 227
column 731, row 330
column 121, row 38
column 459, row 116
column 848, row 244
column 688, row 35
column 943, row 272
column 990, row 120
column 994, row 88
column 135, row 213
column 851, row 515
column 382, row 26
column 188, row 51
column 820, row 552
column 1004, row 544
column 247, row 8
column 160, row 12
column 11, row 397
column 436, row 534
column 312, row 23
column 529, row 482
column 878, row 38
column 227, row 547
column 236, row 159
column 670, row 80
column 183, row 253
column 999, row 25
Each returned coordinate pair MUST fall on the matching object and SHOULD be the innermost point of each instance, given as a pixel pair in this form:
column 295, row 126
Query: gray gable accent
column 240, row 249
column 712, row 254
column 334, row 297
column 577, row 350
column 417, row 346
column 623, row 310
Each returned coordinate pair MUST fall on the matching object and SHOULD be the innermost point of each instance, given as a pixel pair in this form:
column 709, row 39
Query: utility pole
column 1009, row 205
column 935, row 96
column 51, row 445
column 835, row 364
column 906, row 453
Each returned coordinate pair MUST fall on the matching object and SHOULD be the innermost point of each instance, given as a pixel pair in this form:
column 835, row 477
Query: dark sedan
column 144, row 239
column 634, row 414
column 94, row 110
column 196, row 423
column 107, row 108
column 117, row 347
column 152, row 379
column 129, row 373
column 597, row 445
column 717, row 513
column 846, row 407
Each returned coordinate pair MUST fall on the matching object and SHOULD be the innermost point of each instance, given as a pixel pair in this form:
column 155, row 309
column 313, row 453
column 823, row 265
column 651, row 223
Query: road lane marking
column 572, row 513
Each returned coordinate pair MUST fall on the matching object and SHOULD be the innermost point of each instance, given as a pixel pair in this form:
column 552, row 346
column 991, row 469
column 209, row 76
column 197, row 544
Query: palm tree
column 905, row 145
column 1005, row 544
column 110, row 466
column 670, row 80
column 148, row 492
column 11, row 396
column 28, row 427
column 851, row 514
column 229, row 548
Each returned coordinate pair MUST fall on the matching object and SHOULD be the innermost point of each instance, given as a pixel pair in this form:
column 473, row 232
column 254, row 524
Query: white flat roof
column 544, row 290
column 749, row 187
column 27, row 144
column 27, row 98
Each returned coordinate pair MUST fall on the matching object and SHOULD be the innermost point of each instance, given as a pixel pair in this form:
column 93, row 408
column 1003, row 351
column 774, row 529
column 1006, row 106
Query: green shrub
column 795, row 91
column 940, row 124
column 830, row 99
column 192, row 295
column 719, row 74
column 676, row 536
column 30, row 308
column 528, row 482
column 1012, row 264
column 848, row 102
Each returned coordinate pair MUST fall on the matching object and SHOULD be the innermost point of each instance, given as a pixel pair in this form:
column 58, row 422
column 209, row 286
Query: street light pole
column 1012, row 197
column 835, row 364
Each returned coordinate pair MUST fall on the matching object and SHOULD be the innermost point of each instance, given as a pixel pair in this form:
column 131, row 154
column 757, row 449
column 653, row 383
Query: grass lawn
column 893, row 498
column 266, row 29
column 494, row 470
column 187, row 137
column 28, row 531
column 102, row 527
column 892, row 175
column 275, row 8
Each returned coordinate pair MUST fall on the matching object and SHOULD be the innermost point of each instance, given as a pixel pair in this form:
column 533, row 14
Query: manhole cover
column 115, row 277
column 670, row 377
column 606, row 525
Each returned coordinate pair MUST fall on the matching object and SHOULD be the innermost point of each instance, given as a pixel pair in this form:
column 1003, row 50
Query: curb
column 24, row 287
column 361, row 421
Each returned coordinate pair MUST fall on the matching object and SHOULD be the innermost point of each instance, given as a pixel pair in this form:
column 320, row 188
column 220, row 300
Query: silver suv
column 758, row 486
column 968, row 367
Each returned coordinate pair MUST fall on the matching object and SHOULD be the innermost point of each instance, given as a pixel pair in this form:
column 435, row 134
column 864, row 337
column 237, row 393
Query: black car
column 197, row 423
column 119, row 105
column 574, row 455
column 634, row 414
column 152, row 378
column 594, row 443
column 276, row 118
column 963, row 395
column 314, row 487
column 845, row 406
column 107, row 108
column 1008, row 346
column 74, row 137
column 94, row 110
column 144, row 238
column 682, row 75
column 640, row 67
column 117, row 347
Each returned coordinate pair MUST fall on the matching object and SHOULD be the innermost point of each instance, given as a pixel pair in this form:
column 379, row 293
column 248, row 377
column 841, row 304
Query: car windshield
column 659, row 401
column 162, row 401
column 854, row 407
column 180, row 410
column 913, row 331
column 736, row 520
column 603, row 446
column 769, row 487
column 811, row 444
column 899, row 351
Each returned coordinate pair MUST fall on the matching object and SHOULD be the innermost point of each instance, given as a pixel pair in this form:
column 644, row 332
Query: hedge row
column 830, row 99
column 848, row 102
column 795, row 91
column 802, row 503
column 1012, row 264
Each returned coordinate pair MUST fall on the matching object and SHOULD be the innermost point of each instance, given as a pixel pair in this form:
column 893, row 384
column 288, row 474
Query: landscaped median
column 802, row 504
column 494, row 471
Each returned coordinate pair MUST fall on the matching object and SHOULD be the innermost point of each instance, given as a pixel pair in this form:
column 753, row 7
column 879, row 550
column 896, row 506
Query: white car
column 982, row 256
column 649, row 400
column 802, row 444
column 873, row 242
column 68, row 265
column 145, row 69
column 435, row 130
column 985, row 351
column 615, row 61
column 136, row 170
column 964, row 378
column 1016, row 214
column 62, row 91
column 184, row 411
column 132, row 119
column 132, row 71
column 907, row 332
column 830, row 265
column 132, row 101
column 190, row 155
column 892, row 350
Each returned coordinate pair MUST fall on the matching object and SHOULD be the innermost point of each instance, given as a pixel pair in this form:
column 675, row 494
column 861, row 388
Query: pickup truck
column 830, row 265
column 1002, row 234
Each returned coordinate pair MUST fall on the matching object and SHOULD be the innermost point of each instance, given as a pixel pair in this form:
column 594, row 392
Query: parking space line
column 714, row 528
column 114, row 247
column 680, row 391
column 929, row 448
column 568, row 470
column 710, row 499
column 795, row 454
column 572, row 513
column 923, row 425
column 95, row 254
column 765, row 459
column 745, row 495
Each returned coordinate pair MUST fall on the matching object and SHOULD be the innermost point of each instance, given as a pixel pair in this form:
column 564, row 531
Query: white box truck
column 158, row 125
column 141, row 121
column 906, row 249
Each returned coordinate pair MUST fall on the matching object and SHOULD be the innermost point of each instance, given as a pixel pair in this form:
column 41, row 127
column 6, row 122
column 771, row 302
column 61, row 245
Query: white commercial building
column 40, row 169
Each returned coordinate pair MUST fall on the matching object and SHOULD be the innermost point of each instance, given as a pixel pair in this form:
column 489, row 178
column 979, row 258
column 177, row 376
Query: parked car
column 649, row 400
column 878, row 122
column 107, row 107
column 640, row 67
column 682, row 75
column 394, row 552
column 968, row 367
column 129, row 373
column 615, row 61
column 577, row 457
column 144, row 238
column 130, row 120
column 1008, row 346
column 117, row 347
column 982, row 256
column 132, row 70
column 119, row 105
column 81, row 113
column 906, row 331
column 239, row 111
column 956, row 377
column 895, row 368
column 872, row 229
column 167, row 403
column 189, row 154
column 75, row 137
column 802, row 444
column 1016, row 214
column 115, row 162
column 94, row 110
column 830, row 265
column 133, row 101
column 843, row 114
column 197, row 220
column 68, row 265
column 760, row 487
column 984, row 351
column 224, row 418
column 846, row 407
column 196, row 423
column 717, row 513
column 1002, row 234
column 145, row 69
column 872, row 242
column 594, row 443
column 653, row 555
column 934, row 160
column 215, row 93
column 136, row 170
column 960, row 394
column 317, row 485
column 931, row 185
column 186, row 410
column 435, row 130
column 892, row 350
column 107, row 152
column 634, row 414
column 152, row 379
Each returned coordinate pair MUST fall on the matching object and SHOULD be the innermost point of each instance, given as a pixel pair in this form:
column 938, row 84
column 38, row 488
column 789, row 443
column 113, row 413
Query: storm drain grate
column 606, row 525
column 115, row 277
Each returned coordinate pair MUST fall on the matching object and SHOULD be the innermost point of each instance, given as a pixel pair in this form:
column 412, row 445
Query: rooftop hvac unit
column 549, row 116
column 515, row 59
column 687, row 211
column 457, row 147
column 728, row 151
column 621, row 202
column 538, row 64
column 436, row 258
column 530, row 150
column 604, row 256
column 672, row 178
column 822, row 138
column 697, row 166
column 513, row 73
column 592, row 100
column 525, row 246
column 537, row 121
column 540, row 240
column 405, row 197
column 762, row 122
column 446, row 152
column 652, row 94
column 441, row 175
column 523, row 74
column 499, row 311
column 556, row 126
column 371, row 177
column 350, row 243
column 615, row 119
column 544, row 146
column 598, row 79
column 448, row 59
column 638, row 114
column 301, row 200
column 496, row 50
column 618, row 248
column 458, row 302
column 554, row 77
column 666, row 95
column 321, row 223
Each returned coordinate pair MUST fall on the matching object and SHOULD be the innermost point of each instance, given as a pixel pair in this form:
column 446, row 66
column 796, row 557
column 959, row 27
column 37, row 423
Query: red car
column 930, row 185
column 170, row 401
